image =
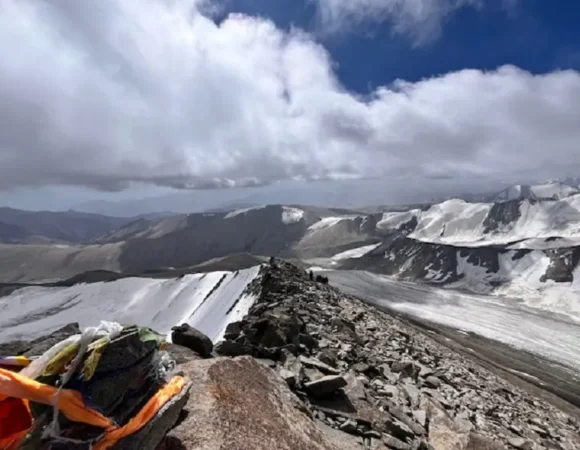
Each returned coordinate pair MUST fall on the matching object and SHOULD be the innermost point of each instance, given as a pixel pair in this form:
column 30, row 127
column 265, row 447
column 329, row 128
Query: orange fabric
column 17, row 390
column 155, row 403
column 70, row 403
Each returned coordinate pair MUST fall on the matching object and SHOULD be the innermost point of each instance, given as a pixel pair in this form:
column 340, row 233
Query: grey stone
column 389, row 391
column 395, row 444
column 412, row 394
column 433, row 382
column 420, row 417
column 288, row 377
column 520, row 443
column 317, row 364
column 311, row 374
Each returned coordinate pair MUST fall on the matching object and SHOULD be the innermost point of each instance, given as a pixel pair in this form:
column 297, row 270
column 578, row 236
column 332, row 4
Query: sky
column 118, row 100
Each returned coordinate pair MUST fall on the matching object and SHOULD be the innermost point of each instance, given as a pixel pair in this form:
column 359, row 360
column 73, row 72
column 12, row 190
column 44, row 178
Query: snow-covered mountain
column 206, row 301
column 517, row 248
column 514, row 247
column 530, row 223
column 553, row 190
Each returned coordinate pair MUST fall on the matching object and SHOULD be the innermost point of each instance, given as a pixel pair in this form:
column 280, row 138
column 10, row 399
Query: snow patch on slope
column 291, row 215
column 325, row 222
column 355, row 252
column 452, row 221
column 393, row 220
column 206, row 301
column 243, row 211
column 520, row 277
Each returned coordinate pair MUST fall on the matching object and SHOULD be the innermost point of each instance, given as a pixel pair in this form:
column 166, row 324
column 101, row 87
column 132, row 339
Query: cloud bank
column 107, row 93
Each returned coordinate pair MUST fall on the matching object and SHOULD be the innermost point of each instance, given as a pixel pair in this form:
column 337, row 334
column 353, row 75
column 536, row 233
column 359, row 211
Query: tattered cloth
column 112, row 381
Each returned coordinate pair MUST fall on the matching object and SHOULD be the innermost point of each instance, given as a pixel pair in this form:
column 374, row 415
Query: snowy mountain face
column 206, row 301
column 516, row 248
column 553, row 190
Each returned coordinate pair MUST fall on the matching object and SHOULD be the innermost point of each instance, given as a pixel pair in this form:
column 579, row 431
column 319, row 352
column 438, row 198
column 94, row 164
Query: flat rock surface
column 239, row 404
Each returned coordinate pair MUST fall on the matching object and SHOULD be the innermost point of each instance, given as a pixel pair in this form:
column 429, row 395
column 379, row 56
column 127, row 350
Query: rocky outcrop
column 384, row 383
column 243, row 405
column 312, row 368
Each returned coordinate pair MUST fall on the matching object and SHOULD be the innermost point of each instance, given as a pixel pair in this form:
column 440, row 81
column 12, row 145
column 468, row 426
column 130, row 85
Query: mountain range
column 525, row 246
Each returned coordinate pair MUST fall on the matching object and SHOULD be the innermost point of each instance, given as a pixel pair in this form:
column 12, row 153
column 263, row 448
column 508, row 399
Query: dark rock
column 308, row 341
column 275, row 330
column 350, row 426
column 187, row 336
column 328, row 356
column 325, row 386
column 433, row 382
column 231, row 348
column 233, row 330
column 399, row 430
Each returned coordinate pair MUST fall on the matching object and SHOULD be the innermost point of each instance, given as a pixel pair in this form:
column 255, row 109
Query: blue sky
column 120, row 99
column 535, row 35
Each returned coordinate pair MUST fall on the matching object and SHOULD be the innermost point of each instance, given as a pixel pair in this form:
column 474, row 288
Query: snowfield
column 521, row 279
column 206, row 301
column 538, row 328
column 358, row 252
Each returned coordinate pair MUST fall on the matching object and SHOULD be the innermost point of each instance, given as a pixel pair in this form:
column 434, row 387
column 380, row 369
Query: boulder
column 325, row 385
column 400, row 430
column 187, row 336
column 274, row 330
column 432, row 382
column 232, row 348
column 240, row 404
column 180, row 354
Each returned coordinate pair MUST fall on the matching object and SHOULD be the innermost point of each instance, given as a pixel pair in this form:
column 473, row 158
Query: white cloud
column 421, row 20
column 107, row 93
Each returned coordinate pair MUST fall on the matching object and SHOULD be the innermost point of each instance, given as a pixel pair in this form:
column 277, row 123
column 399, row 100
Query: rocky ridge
column 368, row 375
